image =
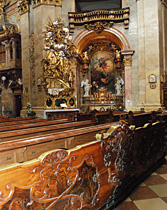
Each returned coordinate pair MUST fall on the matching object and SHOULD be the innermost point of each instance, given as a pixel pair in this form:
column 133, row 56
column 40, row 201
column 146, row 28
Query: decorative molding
column 104, row 16
column 60, row 177
column 98, row 26
column 32, row 57
column 23, row 6
column 46, row 2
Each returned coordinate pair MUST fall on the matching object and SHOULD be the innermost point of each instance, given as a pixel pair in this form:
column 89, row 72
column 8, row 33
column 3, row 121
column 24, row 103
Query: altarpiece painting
column 102, row 71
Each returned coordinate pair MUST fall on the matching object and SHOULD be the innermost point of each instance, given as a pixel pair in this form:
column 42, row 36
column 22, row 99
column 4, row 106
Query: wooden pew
column 140, row 118
column 23, row 121
column 96, row 175
column 23, row 149
column 38, row 129
column 8, row 119
column 33, row 124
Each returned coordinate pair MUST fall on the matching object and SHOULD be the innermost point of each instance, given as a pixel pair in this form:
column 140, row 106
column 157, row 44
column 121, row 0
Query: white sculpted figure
column 119, row 84
column 85, row 84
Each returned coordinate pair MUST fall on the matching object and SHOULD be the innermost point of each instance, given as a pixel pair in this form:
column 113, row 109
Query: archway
column 114, row 43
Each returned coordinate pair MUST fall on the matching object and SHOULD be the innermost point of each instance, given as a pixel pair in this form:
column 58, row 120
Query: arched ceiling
column 95, row 37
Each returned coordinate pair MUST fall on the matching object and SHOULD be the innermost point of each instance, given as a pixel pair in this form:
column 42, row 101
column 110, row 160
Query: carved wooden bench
column 38, row 129
column 27, row 121
column 96, row 175
column 37, row 124
column 23, row 149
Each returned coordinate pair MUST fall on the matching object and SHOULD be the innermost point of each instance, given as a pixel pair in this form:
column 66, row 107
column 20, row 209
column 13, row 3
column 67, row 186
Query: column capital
column 23, row 6
column 127, row 57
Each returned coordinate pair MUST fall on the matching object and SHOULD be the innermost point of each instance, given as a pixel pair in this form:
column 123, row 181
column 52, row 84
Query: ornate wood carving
column 118, row 151
column 85, row 177
column 63, row 182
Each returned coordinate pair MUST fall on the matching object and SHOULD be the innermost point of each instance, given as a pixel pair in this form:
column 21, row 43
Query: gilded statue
column 59, row 49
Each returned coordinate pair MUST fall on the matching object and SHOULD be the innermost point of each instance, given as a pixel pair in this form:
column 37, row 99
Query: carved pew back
column 94, row 175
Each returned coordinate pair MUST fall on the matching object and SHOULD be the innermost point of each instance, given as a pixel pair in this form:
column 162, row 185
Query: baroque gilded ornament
column 98, row 26
column 127, row 61
column 23, row 6
column 8, row 28
column 58, row 76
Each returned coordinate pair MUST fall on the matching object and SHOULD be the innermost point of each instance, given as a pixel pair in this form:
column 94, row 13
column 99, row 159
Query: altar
column 101, row 107
column 60, row 113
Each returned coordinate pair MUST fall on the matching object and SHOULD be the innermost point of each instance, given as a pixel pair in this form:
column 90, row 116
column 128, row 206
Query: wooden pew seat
column 23, row 149
column 30, row 130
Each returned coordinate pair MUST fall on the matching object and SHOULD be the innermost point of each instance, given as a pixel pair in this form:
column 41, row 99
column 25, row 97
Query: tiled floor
column 151, row 194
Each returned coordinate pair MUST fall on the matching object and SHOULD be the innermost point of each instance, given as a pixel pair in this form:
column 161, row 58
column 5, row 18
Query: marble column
column 26, row 75
column 127, row 59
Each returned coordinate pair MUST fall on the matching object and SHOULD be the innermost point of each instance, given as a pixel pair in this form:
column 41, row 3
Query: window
column 88, row 5
column 2, row 53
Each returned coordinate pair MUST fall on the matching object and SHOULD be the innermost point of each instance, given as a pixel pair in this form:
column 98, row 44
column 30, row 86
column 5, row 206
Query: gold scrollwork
column 57, row 66
column 98, row 26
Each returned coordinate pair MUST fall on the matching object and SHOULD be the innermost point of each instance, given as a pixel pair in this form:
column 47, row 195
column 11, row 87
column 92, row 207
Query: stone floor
column 151, row 194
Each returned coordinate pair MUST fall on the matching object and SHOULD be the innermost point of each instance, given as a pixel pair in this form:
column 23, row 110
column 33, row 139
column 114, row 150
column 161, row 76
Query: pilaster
column 150, row 54
column 128, row 77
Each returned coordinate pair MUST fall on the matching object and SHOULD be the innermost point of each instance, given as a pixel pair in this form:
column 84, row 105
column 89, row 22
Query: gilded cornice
column 99, row 19
column 164, row 2
column 48, row 2
column 23, row 6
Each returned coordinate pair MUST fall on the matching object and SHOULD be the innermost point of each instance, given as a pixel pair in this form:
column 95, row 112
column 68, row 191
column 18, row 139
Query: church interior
column 83, row 104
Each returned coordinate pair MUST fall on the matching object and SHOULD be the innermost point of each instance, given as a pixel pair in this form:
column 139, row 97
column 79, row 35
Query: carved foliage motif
column 98, row 26
column 64, row 183
column 131, row 151
column 118, row 148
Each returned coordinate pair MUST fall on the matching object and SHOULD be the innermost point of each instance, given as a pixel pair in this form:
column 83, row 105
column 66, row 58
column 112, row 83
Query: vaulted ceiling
column 88, row 5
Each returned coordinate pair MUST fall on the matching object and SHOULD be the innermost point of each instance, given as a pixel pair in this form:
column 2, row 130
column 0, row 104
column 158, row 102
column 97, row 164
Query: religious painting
column 102, row 71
